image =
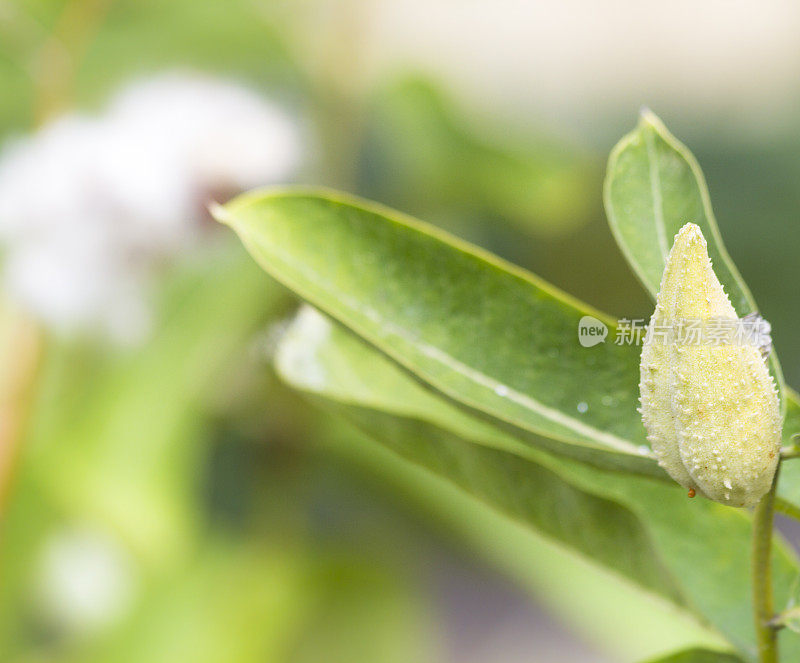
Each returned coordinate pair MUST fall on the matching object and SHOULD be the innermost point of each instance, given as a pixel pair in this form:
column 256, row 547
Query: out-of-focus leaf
column 426, row 156
column 242, row 605
column 488, row 335
column 147, row 35
column 697, row 656
column 127, row 38
column 692, row 552
column 116, row 440
column 621, row 618
column 262, row 604
column 362, row 613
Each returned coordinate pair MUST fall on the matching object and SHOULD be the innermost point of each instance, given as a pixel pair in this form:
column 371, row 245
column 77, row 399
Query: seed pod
column 711, row 410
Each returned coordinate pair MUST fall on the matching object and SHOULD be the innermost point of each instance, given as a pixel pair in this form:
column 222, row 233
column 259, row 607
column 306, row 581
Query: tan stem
column 19, row 363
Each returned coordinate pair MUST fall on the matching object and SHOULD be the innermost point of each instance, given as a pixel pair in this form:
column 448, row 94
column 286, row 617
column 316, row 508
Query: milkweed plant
column 477, row 370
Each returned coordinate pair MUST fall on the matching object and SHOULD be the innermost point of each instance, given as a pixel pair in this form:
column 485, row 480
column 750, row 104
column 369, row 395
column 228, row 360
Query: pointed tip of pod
column 689, row 234
column 689, row 288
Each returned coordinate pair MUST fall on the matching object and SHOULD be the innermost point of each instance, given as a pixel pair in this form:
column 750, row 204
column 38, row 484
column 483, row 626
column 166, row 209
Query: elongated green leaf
column 492, row 338
column 653, row 187
column 641, row 625
column 428, row 157
column 488, row 335
column 698, row 656
column 692, row 552
column 328, row 361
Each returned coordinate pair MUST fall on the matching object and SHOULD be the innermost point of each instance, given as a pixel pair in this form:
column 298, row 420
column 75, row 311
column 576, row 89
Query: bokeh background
column 164, row 497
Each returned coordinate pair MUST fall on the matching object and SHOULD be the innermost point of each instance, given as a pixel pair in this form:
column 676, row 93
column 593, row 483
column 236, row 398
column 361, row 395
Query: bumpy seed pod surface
column 711, row 411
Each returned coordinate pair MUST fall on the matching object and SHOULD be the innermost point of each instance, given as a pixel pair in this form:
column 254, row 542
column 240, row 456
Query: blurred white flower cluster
column 89, row 206
column 85, row 579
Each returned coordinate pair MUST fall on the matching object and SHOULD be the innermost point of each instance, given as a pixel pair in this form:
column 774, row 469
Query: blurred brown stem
column 55, row 63
column 19, row 371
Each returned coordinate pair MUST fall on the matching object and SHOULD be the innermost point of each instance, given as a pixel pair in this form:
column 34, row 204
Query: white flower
column 227, row 134
column 90, row 206
column 85, row 579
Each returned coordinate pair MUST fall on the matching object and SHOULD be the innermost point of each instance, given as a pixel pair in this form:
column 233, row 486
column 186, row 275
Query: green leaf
column 653, row 187
column 698, row 656
column 694, row 553
column 642, row 626
column 428, row 156
column 317, row 357
column 491, row 337
column 488, row 335
column 272, row 604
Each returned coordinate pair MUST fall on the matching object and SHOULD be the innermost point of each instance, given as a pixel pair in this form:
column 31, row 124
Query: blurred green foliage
column 247, row 526
column 424, row 155
column 139, row 450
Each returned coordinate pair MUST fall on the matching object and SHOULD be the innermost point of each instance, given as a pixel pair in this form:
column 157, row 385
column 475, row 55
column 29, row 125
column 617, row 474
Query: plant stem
column 23, row 345
column 763, row 607
column 55, row 63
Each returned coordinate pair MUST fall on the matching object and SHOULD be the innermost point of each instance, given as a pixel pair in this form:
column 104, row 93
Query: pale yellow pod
column 711, row 410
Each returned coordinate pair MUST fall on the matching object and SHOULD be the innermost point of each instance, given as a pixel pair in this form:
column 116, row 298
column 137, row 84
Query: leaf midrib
column 614, row 442
column 655, row 191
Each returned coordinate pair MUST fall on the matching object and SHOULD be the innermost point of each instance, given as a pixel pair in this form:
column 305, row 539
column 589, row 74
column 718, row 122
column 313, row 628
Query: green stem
column 763, row 606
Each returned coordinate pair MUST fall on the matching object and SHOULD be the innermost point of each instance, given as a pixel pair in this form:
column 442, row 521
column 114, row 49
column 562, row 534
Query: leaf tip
column 219, row 213
column 647, row 118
